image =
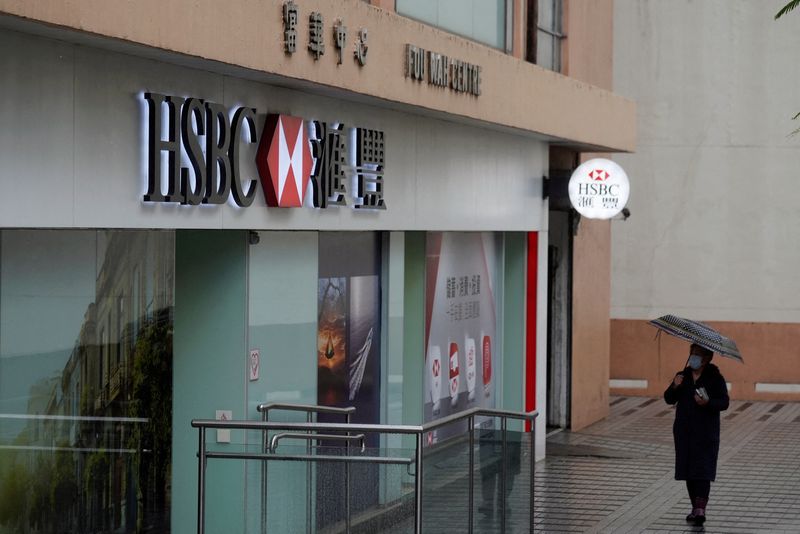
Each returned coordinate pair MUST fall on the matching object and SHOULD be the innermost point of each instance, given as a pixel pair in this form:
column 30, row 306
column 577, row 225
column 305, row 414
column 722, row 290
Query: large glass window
column 481, row 20
column 85, row 380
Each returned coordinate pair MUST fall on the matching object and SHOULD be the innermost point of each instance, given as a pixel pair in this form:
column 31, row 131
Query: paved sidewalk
column 617, row 475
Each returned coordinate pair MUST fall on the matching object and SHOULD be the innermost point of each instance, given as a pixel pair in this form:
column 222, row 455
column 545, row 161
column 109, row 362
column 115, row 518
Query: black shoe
column 691, row 517
column 700, row 518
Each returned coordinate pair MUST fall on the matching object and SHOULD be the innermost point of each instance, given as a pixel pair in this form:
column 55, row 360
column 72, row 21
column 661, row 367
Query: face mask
column 695, row 361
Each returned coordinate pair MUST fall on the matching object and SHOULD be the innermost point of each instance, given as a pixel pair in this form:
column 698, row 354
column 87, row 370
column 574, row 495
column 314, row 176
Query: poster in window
column 461, row 361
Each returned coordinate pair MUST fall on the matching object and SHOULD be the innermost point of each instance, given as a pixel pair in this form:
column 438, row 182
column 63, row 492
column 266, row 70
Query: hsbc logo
column 598, row 175
column 284, row 161
column 194, row 156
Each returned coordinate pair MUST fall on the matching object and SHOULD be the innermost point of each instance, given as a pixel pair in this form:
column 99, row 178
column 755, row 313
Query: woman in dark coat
column 696, row 427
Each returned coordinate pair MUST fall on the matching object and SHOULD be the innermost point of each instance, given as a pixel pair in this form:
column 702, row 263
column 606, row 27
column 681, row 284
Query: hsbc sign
column 194, row 156
column 599, row 189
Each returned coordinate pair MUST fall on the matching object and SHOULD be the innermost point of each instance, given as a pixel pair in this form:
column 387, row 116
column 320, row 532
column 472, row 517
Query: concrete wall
column 713, row 201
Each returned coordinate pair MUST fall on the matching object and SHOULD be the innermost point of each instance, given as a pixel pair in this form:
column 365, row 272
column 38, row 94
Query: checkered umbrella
column 699, row 333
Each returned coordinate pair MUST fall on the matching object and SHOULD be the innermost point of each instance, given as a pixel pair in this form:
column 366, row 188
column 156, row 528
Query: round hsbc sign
column 599, row 189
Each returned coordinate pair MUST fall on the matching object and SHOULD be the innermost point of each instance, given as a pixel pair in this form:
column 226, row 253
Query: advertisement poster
column 461, row 364
column 348, row 342
column 332, row 342
column 348, row 356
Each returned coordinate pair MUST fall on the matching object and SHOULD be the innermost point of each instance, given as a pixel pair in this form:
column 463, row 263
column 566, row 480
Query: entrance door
column 559, row 319
column 348, row 363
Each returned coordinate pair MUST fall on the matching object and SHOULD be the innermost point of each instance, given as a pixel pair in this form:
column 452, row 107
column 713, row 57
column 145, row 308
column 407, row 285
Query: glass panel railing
column 519, row 509
column 502, row 496
column 475, row 476
column 307, row 488
column 445, row 481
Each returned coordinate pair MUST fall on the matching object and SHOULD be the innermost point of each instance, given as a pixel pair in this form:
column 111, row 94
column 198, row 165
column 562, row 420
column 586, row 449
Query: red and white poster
column 460, row 324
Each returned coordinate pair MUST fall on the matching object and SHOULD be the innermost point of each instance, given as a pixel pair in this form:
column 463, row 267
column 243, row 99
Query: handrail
column 291, row 435
column 309, row 428
column 480, row 412
column 362, row 427
column 313, row 408
column 389, row 460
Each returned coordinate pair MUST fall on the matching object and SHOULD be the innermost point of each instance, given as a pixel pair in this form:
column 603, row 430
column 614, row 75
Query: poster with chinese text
column 461, row 360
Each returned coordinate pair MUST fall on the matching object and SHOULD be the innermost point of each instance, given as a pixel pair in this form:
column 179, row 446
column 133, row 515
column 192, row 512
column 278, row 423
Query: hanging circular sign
column 599, row 189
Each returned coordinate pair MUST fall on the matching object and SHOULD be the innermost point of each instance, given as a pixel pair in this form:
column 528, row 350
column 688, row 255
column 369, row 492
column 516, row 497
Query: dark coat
column 696, row 428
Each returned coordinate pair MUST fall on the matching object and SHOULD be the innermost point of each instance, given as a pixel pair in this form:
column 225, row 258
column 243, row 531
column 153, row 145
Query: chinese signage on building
column 599, row 189
column 194, row 156
column 316, row 35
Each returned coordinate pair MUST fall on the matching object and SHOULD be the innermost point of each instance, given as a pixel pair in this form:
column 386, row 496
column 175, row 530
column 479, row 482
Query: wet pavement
column 617, row 475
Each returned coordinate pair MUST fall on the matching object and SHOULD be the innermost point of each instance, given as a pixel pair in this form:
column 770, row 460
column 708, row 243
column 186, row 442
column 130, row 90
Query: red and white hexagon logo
column 599, row 175
column 284, row 161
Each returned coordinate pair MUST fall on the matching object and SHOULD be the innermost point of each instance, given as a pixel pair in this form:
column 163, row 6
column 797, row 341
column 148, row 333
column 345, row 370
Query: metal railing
column 346, row 430
column 270, row 446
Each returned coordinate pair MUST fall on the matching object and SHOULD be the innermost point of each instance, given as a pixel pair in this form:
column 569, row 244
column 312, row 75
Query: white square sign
column 253, row 363
column 224, row 434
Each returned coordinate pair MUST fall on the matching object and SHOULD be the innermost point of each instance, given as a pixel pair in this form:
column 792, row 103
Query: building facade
column 712, row 218
column 213, row 207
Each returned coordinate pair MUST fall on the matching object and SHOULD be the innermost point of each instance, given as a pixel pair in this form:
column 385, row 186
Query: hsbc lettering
column 200, row 135
column 598, row 189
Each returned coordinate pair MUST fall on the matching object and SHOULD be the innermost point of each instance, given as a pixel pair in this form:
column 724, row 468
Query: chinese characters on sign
column 459, row 288
column 316, row 43
column 316, row 35
column 340, row 38
column 442, row 71
column 290, row 27
column 369, row 168
column 361, row 47
column 328, row 178
column 331, row 171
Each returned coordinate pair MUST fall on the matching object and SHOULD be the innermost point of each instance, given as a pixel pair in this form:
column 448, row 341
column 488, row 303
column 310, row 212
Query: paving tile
column 757, row 487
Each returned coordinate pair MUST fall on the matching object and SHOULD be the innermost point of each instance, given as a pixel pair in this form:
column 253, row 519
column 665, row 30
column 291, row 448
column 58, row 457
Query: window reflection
column 85, row 380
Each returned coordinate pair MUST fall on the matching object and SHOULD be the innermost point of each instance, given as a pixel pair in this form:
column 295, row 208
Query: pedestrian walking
column 700, row 393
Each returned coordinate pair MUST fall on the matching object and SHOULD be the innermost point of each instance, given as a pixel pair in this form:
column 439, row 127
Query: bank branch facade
column 186, row 233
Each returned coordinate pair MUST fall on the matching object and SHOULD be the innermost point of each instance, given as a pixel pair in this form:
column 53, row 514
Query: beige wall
column 589, row 46
column 384, row 4
column 770, row 350
column 587, row 56
column 248, row 34
column 591, row 296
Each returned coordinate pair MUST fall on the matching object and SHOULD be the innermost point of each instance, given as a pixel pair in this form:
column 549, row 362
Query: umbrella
column 699, row 333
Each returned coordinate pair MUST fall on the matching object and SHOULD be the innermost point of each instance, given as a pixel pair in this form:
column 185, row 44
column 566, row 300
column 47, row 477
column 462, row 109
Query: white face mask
column 695, row 361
